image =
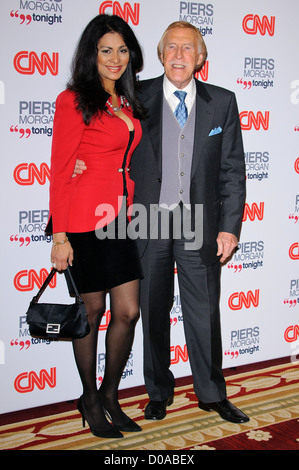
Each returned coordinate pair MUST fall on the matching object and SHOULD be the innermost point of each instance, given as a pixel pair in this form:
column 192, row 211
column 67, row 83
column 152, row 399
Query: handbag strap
column 48, row 280
column 68, row 272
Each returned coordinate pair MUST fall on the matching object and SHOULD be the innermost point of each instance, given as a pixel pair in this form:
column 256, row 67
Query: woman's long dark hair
column 85, row 81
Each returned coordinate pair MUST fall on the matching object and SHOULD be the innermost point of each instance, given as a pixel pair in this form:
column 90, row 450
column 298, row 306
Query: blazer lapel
column 155, row 126
column 154, row 104
column 203, row 120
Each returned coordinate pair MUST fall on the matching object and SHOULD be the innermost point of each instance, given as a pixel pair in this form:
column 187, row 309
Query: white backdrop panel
column 252, row 50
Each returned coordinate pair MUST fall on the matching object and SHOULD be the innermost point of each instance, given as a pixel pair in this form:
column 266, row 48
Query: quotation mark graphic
column 15, row 14
column 236, row 267
column 246, row 84
column 22, row 344
column 22, row 240
column 294, row 217
column 233, row 354
column 21, row 131
column 291, row 302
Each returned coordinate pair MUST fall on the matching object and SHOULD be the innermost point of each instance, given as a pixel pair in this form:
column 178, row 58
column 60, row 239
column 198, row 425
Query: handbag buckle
column 53, row 328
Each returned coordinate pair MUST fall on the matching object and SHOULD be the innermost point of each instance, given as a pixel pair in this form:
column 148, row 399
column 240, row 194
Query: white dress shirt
column 172, row 100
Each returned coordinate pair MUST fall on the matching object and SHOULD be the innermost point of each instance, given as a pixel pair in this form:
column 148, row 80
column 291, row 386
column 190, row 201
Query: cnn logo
column 126, row 12
column 178, row 354
column 27, row 173
column 239, row 300
column 203, row 73
column 249, row 120
column 254, row 211
column 294, row 251
column 252, row 24
column 291, row 333
column 28, row 381
column 27, row 63
column 26, row 280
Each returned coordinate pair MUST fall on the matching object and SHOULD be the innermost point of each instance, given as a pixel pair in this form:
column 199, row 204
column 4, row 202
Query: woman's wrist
column 60, row 239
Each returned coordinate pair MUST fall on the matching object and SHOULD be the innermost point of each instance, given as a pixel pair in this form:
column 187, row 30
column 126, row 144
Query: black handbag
column 57, row 320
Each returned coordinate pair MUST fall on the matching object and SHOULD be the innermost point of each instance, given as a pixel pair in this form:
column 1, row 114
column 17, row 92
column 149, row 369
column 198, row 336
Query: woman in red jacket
column 98, row 119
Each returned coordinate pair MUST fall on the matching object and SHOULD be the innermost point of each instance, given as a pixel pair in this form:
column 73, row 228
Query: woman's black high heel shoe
column 113, row 433
column 128, row 426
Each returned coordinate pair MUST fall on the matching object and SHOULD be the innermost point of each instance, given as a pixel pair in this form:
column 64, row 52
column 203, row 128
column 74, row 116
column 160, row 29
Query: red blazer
column 102, row 145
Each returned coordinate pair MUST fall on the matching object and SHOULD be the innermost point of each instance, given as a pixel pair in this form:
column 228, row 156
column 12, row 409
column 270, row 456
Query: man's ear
column 200, row 61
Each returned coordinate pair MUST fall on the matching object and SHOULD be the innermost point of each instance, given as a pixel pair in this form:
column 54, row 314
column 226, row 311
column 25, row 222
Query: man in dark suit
column 197, row 163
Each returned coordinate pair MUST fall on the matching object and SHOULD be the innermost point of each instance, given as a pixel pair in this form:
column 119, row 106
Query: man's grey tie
column 181, row 112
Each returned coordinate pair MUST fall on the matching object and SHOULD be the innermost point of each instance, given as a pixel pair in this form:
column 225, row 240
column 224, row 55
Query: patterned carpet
column 269, row 396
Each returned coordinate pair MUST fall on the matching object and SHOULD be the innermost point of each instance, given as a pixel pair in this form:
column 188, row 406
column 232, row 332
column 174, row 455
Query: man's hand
column 79, row 168
column 227, row 242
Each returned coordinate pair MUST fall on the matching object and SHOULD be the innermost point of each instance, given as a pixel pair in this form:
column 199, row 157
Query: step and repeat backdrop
column 252, row 50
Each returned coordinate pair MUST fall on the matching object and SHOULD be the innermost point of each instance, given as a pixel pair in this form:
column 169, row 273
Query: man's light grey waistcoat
column 177, row 150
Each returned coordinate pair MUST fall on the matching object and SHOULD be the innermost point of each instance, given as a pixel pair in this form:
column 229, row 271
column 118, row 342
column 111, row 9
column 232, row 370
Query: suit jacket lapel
column 154, row 103
column 203, row 120
column 155, row 126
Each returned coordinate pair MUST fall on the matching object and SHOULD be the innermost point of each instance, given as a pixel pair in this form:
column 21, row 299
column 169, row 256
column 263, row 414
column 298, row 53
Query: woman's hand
column 79, row 168
column 61, row 254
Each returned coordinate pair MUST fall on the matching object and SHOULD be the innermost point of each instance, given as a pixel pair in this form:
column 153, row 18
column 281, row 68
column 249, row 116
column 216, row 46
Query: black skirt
column 103, row 264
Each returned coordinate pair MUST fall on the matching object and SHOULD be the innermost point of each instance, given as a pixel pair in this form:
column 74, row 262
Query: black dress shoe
column 226, row 410
column 157, row 409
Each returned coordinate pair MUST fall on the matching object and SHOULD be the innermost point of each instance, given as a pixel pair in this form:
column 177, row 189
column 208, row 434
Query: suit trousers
column 199, row 287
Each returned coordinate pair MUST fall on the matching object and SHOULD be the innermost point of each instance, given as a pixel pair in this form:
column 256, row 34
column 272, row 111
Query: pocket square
column 215, row 131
